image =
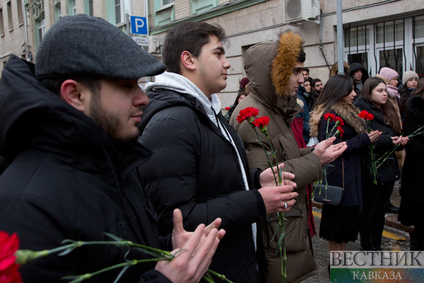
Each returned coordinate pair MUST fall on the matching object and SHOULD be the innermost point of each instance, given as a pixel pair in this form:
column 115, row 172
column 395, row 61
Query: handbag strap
column 343, row 179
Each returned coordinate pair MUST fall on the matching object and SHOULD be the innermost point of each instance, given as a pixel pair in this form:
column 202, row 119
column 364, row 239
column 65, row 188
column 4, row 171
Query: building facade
column 377, row 33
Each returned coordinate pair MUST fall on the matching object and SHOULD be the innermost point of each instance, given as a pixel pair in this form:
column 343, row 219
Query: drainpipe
column 340, row 42
column 26, row 30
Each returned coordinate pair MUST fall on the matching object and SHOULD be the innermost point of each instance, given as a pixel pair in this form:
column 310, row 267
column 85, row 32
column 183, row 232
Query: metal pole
column 146, row 14
column 340, row 45
column 127, row 23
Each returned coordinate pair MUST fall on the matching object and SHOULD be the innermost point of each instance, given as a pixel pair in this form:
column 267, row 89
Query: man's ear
column 188, row 60
column 74, row 94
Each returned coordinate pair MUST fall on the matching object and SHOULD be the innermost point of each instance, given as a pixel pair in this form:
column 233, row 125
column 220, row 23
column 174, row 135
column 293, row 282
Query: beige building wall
column 244, row 27
column 12, row 35
column 264, row 21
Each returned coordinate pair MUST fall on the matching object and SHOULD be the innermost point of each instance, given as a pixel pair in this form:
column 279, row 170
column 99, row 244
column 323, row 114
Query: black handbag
column 324, row 193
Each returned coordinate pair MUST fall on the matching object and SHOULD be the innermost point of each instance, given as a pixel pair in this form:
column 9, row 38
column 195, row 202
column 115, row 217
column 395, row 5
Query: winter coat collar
column 348, row 112
column 181, row 84
column 362, row 103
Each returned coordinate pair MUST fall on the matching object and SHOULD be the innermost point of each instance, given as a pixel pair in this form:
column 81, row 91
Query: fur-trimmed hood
column 334, row 70
column 348, row 112
column 289, row 47
column 268, row 66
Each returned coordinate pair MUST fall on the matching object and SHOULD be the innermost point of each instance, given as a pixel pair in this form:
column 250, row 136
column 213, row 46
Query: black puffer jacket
column 195, row 168
column 412, row 190
column 388, row 171
column 67, row 180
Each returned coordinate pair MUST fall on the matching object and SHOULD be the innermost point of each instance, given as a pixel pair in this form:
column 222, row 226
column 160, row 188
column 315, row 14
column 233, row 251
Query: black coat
column 412, row 189
column 356, row 144
column 195, row 168
column 67, row 180
column 388, row 171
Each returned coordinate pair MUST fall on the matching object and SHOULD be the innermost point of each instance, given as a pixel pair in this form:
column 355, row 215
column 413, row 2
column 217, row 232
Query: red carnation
column 329, row 117
column 370, row 116
column 340, row 130
column 8, row 268
column 362, row 114
column 227, row 108
column 247, row 114
column 366, row 115
column 340, row 120
column 261, row 122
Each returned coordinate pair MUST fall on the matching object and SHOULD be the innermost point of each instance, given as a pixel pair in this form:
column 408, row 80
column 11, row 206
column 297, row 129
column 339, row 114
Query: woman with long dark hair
column 374, row 100
column 340, row 224
column 412, row 191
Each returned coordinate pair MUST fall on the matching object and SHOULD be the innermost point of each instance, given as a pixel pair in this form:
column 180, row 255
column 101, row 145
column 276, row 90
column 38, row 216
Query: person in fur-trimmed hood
column 274, row 69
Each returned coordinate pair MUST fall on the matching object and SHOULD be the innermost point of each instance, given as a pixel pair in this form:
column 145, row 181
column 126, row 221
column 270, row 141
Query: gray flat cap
column 83, row 45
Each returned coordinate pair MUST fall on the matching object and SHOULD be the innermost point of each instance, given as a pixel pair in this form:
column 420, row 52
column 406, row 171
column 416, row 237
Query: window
column 57, row 11
column 357, row 41
column 9, row 15
column 115, row 11
column 398, row 44
column 72, row 8
column 20, row 11
column 200, row 6
column 166, row 2
column 418, row 24
column 1, row 22
column 118, row 11
column 392, row 58
column 40, row 28
column 88, row 7
column 164, row 12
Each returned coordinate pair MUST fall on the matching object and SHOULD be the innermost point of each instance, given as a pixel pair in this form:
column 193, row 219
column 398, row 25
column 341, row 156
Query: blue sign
column 139, row 25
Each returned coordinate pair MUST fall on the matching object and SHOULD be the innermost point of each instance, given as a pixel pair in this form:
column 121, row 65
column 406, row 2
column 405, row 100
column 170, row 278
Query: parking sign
column 138, row 25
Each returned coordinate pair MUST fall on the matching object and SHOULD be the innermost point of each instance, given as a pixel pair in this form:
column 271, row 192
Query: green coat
column 301, row 162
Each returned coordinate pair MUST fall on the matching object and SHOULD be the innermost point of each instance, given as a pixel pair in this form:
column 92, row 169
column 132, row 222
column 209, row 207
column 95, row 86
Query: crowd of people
column 366, row 191
column 86, row 151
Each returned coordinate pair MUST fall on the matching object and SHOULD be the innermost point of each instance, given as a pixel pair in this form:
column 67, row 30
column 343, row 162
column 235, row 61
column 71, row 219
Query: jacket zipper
column 240, row 163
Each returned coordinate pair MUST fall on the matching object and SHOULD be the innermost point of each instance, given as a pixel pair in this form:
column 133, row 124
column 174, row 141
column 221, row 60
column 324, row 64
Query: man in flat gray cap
column 68, row 127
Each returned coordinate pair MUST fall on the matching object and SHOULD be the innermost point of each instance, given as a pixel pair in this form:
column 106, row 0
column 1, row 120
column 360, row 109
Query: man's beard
column 108, row 123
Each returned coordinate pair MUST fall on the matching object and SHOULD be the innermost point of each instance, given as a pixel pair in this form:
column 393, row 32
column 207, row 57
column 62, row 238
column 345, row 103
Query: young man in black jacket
column 200, row 165
column 68, row 126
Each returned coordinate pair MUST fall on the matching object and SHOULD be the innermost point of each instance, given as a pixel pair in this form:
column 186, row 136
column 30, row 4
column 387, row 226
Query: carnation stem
column 266, row 154
column 280, row 242
column 25, row 256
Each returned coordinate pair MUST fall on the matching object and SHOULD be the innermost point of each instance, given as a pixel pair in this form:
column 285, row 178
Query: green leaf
column 280, row 240
column 68, row 241
column 116, row 238
column 121, row 273
column 149, row 252
column 67, row 251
